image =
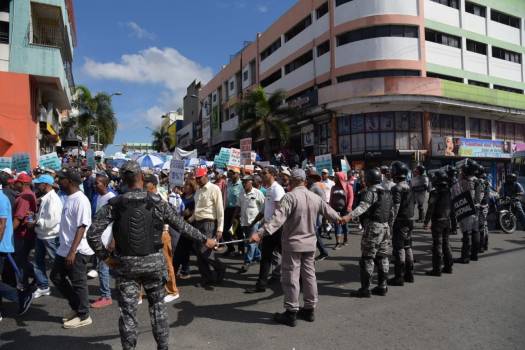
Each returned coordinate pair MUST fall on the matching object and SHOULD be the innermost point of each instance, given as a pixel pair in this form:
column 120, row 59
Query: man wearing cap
column 297, row 215
column 138, row 218
column 233, row 191
column 328, row 184
column 47, row 226
column 25, row 207
column 6, row 183
column 208, row 217
column 250, row 204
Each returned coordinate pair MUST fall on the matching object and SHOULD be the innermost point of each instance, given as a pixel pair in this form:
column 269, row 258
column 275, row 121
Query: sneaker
column 69, row 316
column 321, row 257
column 92, row 274
column 77, row 323
column 140, row 301
column 171, row 297
column 25, row 298
column 306, row 315
column 101, row 303
column 338, row 246
column 0, row 317
column 40, row 292
column 184, row 276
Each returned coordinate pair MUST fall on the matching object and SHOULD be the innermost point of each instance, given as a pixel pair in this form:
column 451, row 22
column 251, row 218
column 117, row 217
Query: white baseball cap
column 7, row 171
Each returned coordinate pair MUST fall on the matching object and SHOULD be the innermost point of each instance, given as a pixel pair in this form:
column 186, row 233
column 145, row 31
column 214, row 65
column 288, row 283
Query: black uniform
column 403, row 213
column 439, row 212
column 138, row 218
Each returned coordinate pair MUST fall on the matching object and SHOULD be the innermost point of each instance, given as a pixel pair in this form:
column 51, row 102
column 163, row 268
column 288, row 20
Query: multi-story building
column 190, row 133
column 36, row 54
column 383, row 80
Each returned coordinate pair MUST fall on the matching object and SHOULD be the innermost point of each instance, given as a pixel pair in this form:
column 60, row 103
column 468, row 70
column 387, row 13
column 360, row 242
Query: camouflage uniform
column 375, row 243
column 483, row 192
column 469, row 225
column 134, row 271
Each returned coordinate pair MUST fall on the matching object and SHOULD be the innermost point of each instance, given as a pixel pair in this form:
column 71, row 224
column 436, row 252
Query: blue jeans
column 43, row 246
column 103, row 278
column 253, row 252
column 341, row 230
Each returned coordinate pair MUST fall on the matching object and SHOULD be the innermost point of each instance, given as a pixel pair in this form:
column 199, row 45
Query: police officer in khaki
column 297, row 215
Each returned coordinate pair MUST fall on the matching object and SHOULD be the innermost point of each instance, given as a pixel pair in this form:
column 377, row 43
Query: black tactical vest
column 406, row 206
column 136, row 230
column 443, row 204
column 381, row 209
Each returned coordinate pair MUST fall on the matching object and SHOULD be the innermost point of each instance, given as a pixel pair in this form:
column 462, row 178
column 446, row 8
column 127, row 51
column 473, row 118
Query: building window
column 341, row 2
column 298, row 62
column 272, row 78
column 253, row 72
column 323, row 139
column 508, row 89
column 214, row 97
column 444, row 77
column 449, row 3
column 442, row 38
column 380, row 131
column 478, row 83
column 271, row 49
column 323, row 48
column 4, row 32
column 506, row 55
column 298, row 28
column 321, row 10
column 324, row 84
column 512, row 132
column 443, row 125
column 503, row 18
column 480, row 128
column 379, row 73
column 377, row 32
column 232, row 85
column 475, row 9
column 245, row 75
column 477, row 47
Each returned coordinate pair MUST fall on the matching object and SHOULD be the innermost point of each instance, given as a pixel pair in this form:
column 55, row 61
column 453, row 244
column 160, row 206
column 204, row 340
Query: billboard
column 449, row 146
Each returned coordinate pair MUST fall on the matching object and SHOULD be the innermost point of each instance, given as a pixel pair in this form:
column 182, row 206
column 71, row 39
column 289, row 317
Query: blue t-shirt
column 6, row 245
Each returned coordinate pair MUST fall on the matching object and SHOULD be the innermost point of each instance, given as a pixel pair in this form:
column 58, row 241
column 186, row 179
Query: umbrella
column 120, row 155
column 149, row 161
column 166, row 165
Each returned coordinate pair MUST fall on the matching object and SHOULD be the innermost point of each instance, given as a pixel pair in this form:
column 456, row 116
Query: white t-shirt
column 103, row 200
column 76, row 213
column 274, row 193
column 328, row 188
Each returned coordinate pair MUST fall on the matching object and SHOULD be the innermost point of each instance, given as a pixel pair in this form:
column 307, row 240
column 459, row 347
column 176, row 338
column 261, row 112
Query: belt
column 205, row 221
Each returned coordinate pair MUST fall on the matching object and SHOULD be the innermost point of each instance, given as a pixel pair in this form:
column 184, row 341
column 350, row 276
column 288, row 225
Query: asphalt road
column 480, row 306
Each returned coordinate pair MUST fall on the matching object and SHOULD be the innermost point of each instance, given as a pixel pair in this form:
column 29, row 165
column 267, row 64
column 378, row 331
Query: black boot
column 462, row 260
column 381, row 291
column 361, row 293
column 288, row 318
column 421, row 217
column 447, row 269
column 306, row 315
column 435, row 273
column 364, row 291
column 398, row 278
column 409, row 275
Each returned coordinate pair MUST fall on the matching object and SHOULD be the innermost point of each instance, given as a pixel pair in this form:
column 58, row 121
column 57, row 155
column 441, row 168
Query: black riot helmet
column 470, row 167
column 421, row 170
column 481, row 172
column 511, row 178
column 385, row 169
column 373, row 176
column 440, row 178
column 399, row 170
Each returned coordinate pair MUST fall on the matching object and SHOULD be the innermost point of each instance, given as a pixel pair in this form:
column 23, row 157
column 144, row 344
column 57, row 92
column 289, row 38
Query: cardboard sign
column 5, row 162
column 51, row 161
column 222, row 159
column 235, row 157
column 21, row 162
column 246, row 157
column 324, row 162
column 345, row 167
column 90, row 156
column 177, row 172
column 246, row 144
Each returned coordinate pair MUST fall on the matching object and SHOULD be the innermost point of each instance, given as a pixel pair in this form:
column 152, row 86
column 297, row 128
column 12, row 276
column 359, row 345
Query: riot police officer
column 465, row 201
column 420, row 186
column 387, row 177
column 375, row 211
column 483, row 192
column 138, row 218
column 402, row 215
column 513, row 189
column 439, row 206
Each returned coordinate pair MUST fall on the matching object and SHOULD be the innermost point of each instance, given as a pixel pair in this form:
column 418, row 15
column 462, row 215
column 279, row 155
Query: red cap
column 24, row 178
column 200, row 172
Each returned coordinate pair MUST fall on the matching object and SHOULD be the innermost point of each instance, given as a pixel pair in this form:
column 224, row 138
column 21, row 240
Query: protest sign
column 21, row 162
column 246, row 144
column 324, row 162
column 90, row 156
column 345, row 167
column 5, row 162
column 177, row 172
column 222, row 159
column 50, row 161
column 235, row 157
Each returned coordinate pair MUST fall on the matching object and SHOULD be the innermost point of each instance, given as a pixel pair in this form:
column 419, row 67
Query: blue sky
column 151, row 50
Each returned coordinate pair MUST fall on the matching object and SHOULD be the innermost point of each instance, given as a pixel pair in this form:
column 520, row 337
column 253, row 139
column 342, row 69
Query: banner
column 51, row 161
column 5, row 162
column 177, row 172
column 179, row 154
column 470, row 148
column 235, row 157
column 324, row 162
column 221, row 160
column 21, row 162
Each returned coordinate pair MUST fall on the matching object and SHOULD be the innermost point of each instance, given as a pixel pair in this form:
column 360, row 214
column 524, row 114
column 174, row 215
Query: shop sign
column 469, row 148
column 518, row 147
column 309, row 99
column 307, row 135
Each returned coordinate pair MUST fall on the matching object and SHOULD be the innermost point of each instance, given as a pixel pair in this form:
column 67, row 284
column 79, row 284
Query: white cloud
column 139, row 32
column 166, row 67
column 262, row 8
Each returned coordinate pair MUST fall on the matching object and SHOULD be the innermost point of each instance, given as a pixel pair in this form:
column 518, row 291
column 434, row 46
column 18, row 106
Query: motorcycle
column 506, row 217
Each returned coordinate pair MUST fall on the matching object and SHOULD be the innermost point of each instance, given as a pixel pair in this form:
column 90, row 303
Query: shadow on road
column 12, row 340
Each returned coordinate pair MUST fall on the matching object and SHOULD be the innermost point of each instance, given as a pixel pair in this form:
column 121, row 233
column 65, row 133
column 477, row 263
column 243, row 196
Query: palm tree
column 94, row 113
column 262, row 116
column 161, row 140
